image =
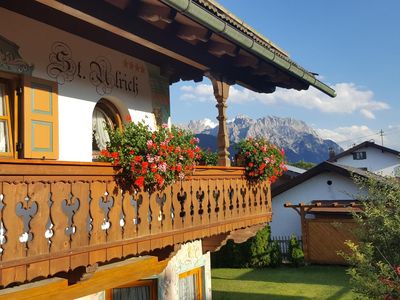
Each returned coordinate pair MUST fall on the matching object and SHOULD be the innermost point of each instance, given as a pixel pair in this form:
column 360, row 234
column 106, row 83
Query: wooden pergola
column 328, row 214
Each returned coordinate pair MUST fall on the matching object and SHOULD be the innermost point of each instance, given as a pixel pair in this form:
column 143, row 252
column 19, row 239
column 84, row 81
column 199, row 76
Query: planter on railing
column 59, row 216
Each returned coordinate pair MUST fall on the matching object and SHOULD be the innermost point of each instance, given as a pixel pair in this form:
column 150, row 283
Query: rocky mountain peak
column 300, row 141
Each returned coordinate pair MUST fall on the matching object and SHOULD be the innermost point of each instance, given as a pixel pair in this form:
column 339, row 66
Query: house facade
column 67, row 230
column 372, row 157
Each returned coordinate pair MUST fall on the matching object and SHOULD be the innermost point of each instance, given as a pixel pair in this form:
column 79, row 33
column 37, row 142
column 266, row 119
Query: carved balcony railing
column 57, row 216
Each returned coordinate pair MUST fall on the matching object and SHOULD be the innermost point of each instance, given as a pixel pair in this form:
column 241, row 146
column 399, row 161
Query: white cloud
column 346, row 137
column 367, row 114
column 350, row 98
column 199, row 92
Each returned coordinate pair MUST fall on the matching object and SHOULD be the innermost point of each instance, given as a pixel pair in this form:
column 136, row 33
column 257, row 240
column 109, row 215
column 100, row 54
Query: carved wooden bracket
column 214, row 243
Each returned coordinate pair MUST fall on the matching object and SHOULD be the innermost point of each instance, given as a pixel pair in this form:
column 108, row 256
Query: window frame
column 151, row 283
column 12, row 83
column 359, row 155
column 7, row 119
column 198, row 273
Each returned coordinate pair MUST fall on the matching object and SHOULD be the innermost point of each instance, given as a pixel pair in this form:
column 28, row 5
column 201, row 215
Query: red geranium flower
column 139, row 181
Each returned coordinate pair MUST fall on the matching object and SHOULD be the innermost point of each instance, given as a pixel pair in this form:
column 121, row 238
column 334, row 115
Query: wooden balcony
column 58, row 216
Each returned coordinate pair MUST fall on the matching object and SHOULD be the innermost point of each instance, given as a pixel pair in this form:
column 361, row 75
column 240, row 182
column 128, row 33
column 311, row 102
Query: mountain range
column 300, row 141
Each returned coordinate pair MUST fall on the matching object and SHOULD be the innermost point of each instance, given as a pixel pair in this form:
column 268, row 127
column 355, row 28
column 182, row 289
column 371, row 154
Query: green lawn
column 310, row 282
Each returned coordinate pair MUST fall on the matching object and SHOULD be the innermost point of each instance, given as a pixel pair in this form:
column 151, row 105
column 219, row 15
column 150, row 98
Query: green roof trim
column 246, row 38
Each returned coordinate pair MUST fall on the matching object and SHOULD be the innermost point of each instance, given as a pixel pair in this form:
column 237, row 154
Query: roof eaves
column 322, row 167
column 218, row 20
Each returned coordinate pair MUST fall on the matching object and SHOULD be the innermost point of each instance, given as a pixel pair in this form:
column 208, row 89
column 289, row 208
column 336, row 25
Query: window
column 138, row 290
column 190, row 285
column 105, row 114
column 28, row 117
column 359, row 155
column 6, row 136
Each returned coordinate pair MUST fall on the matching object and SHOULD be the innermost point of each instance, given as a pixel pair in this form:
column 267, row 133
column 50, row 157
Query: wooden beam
column 193, row 33
column 106, row 277
column 219, row 49
column 156, row 13
column 243, row 60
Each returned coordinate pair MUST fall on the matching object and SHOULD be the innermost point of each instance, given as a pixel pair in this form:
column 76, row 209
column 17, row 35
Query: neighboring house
column 330, row 180
column 330, row 183
column 327, row 181
column 372, row 157
column 67, row 231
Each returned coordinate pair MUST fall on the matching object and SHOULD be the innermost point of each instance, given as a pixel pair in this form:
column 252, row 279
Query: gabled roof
column 365, row 144
column 325, row 166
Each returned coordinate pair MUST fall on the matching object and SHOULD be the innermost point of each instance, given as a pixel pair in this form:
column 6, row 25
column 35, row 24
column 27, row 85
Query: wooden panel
column 143, row 214
column 38, row 192
column 13, row 194
column 115, row 231
column 98, row 194
column 325, row 238
column 60, row 241
column 81, row 238
column 40, row 118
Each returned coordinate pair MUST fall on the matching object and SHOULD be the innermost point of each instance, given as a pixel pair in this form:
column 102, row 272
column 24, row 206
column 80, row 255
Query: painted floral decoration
column 150, row 160
column 261, row 159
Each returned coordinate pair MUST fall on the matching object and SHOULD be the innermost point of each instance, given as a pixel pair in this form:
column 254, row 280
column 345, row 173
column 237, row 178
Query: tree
column 375, row 258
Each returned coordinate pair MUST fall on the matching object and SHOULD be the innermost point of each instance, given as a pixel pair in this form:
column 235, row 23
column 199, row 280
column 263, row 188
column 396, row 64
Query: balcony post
column 221, row 93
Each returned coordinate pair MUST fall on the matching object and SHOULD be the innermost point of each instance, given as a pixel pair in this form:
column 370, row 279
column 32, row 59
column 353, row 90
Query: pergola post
column 221, row 93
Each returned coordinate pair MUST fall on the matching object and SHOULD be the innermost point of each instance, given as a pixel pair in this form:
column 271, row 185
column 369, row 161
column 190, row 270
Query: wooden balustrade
column 56, row 216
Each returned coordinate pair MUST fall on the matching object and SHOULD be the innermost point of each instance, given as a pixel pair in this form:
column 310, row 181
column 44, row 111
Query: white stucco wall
column 286, row 221
column 377, row 161
column 78, row 94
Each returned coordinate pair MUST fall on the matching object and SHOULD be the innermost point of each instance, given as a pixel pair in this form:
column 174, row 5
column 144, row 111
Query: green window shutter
column 40, row 110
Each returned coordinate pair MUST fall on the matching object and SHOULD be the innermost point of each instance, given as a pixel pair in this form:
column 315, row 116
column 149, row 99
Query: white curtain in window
column 3, row 137
column 187, row 288
column 3, row 124
column 99, row 123
column 130, row 293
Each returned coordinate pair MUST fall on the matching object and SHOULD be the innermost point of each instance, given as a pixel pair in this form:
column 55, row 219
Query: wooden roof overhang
column 186, row 38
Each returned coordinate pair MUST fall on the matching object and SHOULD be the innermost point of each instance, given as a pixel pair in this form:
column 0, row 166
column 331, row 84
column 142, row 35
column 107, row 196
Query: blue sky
column 353, row 44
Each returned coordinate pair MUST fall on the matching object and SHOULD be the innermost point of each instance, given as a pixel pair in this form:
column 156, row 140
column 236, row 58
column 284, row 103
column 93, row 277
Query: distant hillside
column 300, row 141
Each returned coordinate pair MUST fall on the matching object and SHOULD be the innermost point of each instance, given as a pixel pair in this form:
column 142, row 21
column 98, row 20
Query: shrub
column 208, row 157
column 275, row 254
column 295, row 255
column 150, row 160
column 258, row 254
column 375, row 258
column 262, row 160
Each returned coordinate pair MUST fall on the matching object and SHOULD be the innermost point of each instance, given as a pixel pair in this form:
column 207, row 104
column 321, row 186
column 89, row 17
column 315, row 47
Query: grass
column 286, row 283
